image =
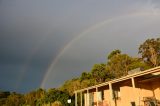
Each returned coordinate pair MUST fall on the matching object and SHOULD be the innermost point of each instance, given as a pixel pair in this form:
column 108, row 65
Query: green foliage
column 88, row 82
column 57, row 103
column 99, row 72
column 40, row 95
column 150, row 51
column 4, row 94
column 113, row 53
column 119, row 64
column 14, row 100
column 57, row 95
column 85, row 76
column 3, row 97
column 35, row 98
column 138, row 63
column 71, row 86
column 2, row 101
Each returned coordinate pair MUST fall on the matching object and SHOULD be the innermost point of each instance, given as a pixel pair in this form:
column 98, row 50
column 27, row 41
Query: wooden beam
column 97, row 95
column 75, row 98
column 133, row 87
column 111, row 93
column 81, row 98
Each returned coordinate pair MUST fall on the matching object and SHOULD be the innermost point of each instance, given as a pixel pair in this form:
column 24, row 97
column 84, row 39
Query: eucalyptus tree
column 150, row 51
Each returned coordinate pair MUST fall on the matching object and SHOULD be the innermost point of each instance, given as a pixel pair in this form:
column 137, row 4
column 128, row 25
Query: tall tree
column 30, row 98
column 99, row 72
column 113, row 53
column 57, row 95
column 119, row 64
column 85, row 76
column 71, row 86
column 40, row 95
column 150, row 51
column 15, row 100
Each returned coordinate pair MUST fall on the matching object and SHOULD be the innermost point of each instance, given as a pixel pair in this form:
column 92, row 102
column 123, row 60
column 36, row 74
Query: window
column 91, row 98
column 116, row 93
column 101, row 95
column 133, row 104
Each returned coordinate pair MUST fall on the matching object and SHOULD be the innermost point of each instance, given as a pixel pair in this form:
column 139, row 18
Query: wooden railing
column 151, row 101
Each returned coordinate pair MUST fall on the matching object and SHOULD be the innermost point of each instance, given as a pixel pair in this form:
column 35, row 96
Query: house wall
column 129, row 94
column 156, row 89
column 85, row 99
column 151, row 89
column 95, row 98
column 126, row 97
column 106, row 101
column 146, row 90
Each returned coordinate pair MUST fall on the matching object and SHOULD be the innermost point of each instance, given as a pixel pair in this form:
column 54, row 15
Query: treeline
column 39, row 97
column 117, row 64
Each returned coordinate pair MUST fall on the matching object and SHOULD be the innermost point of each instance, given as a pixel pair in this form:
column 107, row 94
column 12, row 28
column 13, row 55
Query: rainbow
column 28, row 59
column 85, row 32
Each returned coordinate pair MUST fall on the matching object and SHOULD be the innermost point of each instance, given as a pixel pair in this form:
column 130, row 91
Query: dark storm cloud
column 27, row 44
column 33, row 33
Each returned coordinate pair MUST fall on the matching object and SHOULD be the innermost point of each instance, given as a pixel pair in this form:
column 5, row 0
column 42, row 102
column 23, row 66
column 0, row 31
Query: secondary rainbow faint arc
column 34, row 50
column 92, row 28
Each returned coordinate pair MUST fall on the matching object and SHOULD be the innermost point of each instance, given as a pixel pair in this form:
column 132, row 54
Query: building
column 137, row 89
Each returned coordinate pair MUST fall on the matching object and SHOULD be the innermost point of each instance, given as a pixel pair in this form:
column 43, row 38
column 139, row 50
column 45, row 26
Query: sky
column 43, row 43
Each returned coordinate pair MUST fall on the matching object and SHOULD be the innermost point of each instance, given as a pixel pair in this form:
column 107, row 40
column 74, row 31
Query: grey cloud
column 33, row 33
